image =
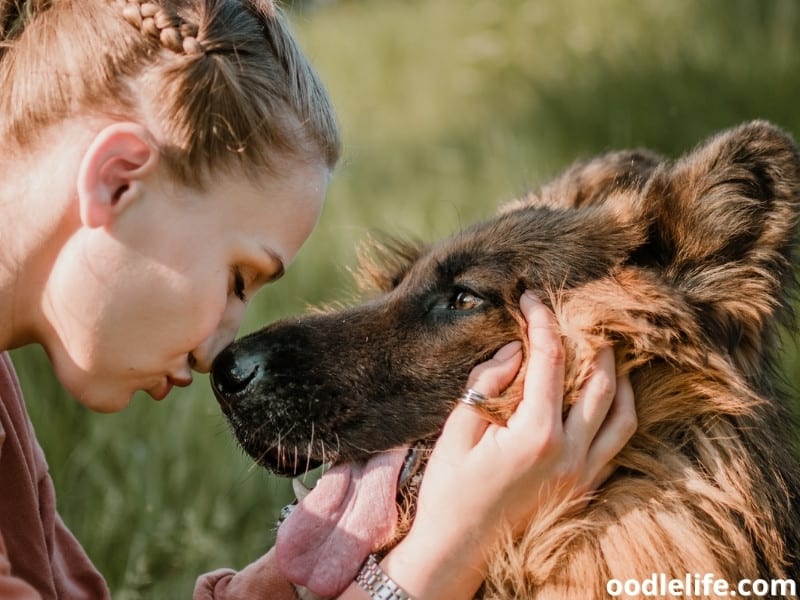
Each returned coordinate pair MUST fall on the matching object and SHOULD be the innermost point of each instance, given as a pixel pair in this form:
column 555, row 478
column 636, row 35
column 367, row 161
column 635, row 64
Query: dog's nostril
column 232, row 373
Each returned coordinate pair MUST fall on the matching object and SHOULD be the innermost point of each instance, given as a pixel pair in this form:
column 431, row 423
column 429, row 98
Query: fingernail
column 531, row 296
column 508, row 351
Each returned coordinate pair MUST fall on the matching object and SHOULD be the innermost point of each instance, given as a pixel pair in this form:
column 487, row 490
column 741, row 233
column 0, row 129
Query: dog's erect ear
column 384, row 260
column 591, row 182
column 723, row 232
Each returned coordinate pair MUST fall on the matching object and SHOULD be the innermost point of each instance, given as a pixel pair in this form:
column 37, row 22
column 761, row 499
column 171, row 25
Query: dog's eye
column 465, row 301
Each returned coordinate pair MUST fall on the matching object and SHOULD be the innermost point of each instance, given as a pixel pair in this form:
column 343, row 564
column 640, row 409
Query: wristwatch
column 378, row 584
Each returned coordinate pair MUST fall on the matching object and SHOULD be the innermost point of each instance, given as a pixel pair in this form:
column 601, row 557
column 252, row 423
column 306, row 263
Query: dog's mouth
column 294, row 465
column 297, row 466
column 354, row 509
column 410, row 473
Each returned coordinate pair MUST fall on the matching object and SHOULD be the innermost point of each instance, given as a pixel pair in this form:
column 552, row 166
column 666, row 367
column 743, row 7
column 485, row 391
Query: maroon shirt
column 41, row 559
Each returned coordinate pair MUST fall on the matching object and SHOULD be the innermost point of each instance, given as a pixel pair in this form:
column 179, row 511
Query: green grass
column 447, row 107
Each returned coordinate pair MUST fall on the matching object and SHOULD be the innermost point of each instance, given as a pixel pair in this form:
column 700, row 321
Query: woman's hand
column 483, row 477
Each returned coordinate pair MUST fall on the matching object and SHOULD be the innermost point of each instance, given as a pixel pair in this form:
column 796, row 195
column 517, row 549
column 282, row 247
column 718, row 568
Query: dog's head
column 715, row 230
column 695, row 253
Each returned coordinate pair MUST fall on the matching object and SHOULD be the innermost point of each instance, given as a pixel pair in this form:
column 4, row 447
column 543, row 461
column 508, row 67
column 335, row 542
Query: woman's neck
column 38, row 215
column 11, row 270
column 16, row 253
column 36, row 219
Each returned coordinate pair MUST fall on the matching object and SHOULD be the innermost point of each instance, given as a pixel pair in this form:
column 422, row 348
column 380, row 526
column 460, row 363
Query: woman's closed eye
column 239, row 284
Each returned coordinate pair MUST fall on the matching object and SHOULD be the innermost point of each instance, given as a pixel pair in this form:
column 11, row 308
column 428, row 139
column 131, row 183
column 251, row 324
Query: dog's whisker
column 338, row 444
column 259, row 460
column 310, row 449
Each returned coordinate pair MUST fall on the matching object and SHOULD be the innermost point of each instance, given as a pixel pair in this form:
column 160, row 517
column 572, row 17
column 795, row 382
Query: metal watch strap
column 378, row 584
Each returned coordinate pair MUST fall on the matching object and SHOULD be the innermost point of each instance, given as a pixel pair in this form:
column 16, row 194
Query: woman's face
column 138, row 304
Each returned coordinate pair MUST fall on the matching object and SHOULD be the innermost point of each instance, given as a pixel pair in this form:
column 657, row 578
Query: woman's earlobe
column 112, row 171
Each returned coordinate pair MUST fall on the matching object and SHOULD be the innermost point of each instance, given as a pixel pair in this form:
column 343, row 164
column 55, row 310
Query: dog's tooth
column 300, row 489
column 410, row 467
column 285, row 512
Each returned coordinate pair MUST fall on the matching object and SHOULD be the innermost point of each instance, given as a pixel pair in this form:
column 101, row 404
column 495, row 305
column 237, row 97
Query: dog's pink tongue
column 351, row 512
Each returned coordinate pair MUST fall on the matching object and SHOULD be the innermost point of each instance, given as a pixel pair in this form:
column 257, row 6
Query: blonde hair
column 222, row 83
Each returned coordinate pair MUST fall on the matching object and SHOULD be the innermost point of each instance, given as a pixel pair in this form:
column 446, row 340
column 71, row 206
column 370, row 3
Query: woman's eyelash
column 238, row 285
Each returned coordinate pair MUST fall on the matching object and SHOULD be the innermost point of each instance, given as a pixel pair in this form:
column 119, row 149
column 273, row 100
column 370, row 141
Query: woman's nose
column 204, row 354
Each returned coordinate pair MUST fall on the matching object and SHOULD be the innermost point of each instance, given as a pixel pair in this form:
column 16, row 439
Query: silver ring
column 474, row 398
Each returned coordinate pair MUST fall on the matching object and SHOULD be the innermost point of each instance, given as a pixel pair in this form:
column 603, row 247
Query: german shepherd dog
column 683, row 267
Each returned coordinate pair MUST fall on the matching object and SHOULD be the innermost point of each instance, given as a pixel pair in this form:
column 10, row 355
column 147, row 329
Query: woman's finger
column 616, row 431
column 601, row 477
column 494, row 375
column 589, row 412
column 466, row 425
column 543, row 397
column 463, row 429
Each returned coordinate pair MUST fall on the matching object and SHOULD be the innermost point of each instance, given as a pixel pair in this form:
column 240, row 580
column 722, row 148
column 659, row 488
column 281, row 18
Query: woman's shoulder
column 10, row 392
column 14, row 420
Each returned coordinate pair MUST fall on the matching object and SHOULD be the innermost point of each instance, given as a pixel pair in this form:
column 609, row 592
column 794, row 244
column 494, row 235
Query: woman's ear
column 111, row 171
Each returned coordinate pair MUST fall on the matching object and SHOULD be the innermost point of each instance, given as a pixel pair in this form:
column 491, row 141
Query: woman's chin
column 104, row 399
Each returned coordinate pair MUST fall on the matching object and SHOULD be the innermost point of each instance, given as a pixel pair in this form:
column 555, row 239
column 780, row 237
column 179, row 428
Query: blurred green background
column 447, row 108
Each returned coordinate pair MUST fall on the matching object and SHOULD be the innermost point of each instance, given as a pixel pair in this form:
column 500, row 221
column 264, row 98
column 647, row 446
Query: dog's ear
column 723, row 232
column 591, row 182
column 383, row 261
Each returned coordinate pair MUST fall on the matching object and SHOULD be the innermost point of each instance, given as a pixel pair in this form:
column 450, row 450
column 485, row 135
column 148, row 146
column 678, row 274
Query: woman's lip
column 161, row 392
column 179, row 381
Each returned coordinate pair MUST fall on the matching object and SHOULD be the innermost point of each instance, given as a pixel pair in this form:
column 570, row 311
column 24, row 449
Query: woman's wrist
column 429, row 567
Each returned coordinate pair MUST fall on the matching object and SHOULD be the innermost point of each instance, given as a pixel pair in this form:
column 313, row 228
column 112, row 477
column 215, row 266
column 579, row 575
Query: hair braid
column 164, row 25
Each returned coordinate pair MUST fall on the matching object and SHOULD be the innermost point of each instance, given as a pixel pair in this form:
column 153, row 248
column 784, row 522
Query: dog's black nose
column 232, row 372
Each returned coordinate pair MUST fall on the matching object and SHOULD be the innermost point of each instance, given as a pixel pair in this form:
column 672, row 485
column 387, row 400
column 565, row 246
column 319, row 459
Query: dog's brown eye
column 465, row 301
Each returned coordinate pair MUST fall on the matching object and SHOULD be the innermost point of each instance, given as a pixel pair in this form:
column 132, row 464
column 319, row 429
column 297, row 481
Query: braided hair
column 220, row 83
column 159, row 22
